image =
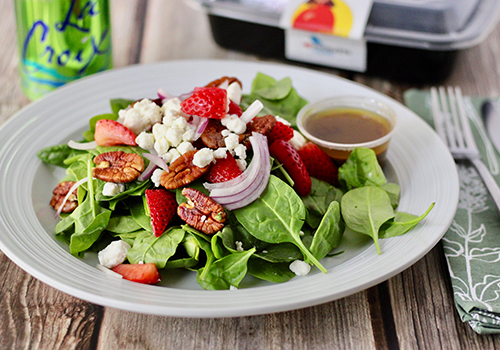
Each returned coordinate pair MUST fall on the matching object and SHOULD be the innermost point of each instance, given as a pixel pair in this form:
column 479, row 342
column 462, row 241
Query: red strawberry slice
column 280, row 131
column 208, row 102
column 141, row 273
column 290, row 158
column 224, row 169
column 234, row 108
column 162, row 207
column 111, row 133
column 319, row 164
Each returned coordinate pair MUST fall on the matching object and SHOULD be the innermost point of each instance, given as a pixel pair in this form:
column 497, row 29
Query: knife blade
column 491, row 118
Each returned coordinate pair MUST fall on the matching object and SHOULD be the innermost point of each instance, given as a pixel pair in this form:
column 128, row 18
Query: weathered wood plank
column 342, row 324
column 36, row 316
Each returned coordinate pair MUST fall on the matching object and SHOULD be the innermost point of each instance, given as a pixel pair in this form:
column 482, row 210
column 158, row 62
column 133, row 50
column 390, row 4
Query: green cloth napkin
column 472, row 243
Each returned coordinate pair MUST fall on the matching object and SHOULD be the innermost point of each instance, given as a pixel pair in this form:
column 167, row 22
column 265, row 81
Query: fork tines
column 451, row 121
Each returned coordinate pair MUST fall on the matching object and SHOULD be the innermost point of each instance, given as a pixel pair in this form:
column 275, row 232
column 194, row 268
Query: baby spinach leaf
column 329, row 232
column 55, row 155
column 275, row 91
column 270, row 92
column 217, row 247
column 393, row 191
column 150, row 249
column 282, row 252
column 322, row 194
column 90, row 219
column 122, row 224
column 128, row 237
column 402, row 223
column 134, row 188
column 365, row 209
column 267, row 271
column 361, row 169
column 119, row 103
column 138, row 212
column 184, row 263
column 277, row 216
column 240, row 233
column 225, row 272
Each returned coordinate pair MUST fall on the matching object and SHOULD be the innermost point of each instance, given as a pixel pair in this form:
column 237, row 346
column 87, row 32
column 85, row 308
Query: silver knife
column 491, row 117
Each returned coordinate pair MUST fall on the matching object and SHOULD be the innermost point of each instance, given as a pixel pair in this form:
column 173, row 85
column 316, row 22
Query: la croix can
column 60, row 41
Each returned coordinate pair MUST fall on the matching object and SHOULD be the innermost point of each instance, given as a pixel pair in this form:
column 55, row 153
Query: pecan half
column 60, row 193
column 211, row 136
column 201, row 212
column 118, row 166
column 182, row 171
column 262, row 125
column 229, row 80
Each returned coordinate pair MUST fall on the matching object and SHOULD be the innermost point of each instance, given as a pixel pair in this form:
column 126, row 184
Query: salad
column 216, row 182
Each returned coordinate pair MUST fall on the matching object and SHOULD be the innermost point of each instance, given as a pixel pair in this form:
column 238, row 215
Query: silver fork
column 452, row 124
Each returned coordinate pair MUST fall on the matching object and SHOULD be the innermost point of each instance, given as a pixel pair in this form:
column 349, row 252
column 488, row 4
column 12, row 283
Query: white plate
column 419, row 162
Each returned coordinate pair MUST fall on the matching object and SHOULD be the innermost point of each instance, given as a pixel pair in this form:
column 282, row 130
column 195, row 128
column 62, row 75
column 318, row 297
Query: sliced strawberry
column 141, row 273
column 224, row 169
column 234, row 108
column 280, row 131
column 319, row 164
column 208, row 102
column 162, row 207
column 111, row 133
column 290, row 158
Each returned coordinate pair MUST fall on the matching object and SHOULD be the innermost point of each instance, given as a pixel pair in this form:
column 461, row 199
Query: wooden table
column 414, row 309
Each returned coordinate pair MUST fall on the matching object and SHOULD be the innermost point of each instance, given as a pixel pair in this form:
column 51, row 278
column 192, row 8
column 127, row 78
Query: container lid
column 427, row 24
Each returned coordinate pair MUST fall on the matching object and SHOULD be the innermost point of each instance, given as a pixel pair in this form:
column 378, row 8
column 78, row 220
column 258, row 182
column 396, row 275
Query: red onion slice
column 164, row 95
column 159, row 161
column 252, row 111
column 74, row 187
column 146, row 174
column 201, row 127
column 84, row 146
column 235, row 195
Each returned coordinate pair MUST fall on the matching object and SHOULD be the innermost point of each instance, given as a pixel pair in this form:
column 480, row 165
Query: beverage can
column 60, row 41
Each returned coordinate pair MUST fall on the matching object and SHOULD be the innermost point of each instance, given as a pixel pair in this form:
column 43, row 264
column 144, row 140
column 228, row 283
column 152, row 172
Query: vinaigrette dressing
column 347, row 125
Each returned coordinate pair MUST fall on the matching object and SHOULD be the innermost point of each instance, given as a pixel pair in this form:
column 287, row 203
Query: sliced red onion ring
column 252, row 111
column 74, row 187
column 159, row 161
column 84, row 146
column 201, row 127
column 146, row 174
column 238, row 193
column 184, row 96
column 164, row 95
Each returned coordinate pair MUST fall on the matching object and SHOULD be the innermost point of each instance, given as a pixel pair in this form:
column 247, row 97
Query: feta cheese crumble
column 156, row 177
column 114, row 254
column 234, row 92
column 239, row 246
column 300, row 268
column 112, row 189
column 203, row 157
column 297, row 141
column 141, row 117
column 145, row 140
column 233, row 123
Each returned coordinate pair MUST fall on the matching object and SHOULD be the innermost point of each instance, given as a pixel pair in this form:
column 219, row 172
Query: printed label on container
column 344, row 18
column 326, row 50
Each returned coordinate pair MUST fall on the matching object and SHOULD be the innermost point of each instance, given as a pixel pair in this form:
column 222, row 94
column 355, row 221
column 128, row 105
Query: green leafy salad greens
column 261, row 239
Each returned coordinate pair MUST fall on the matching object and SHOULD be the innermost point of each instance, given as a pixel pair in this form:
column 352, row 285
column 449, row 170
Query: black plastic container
column 406, row 40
